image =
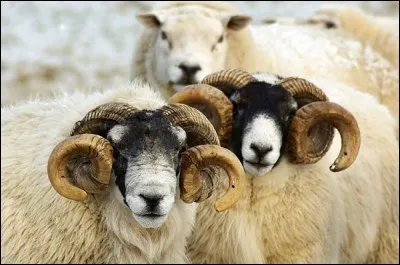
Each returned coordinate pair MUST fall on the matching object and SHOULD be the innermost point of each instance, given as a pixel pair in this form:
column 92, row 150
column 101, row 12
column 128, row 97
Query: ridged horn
column 198, row 128
column 82, row 163
column 213, row 103
column 196, row 187
column 229, row 80
column 204, row 152
column 312, row 128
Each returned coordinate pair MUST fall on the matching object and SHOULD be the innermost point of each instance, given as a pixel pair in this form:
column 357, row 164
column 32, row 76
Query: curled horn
column 210, row 97
column 68, row 169
column 204, row 153
column 312, row 128
column 212, row 103
column 195, row 187
column 229, row 80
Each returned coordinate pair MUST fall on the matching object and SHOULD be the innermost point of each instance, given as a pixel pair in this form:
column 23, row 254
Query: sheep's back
column 312, row 53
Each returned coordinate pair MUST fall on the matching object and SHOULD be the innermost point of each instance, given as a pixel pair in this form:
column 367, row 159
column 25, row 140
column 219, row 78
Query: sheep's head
column 191, row 44
column 150, row 154
column 265, row 116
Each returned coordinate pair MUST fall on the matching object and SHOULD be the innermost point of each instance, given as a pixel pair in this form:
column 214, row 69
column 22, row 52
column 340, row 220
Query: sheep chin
column 150, row 221
column 256, row 171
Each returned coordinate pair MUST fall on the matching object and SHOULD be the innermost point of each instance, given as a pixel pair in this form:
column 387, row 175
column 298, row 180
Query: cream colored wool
column 288, row 50
column 40, row 226
column 382, row 33
column 241, row 51
column 307, row 214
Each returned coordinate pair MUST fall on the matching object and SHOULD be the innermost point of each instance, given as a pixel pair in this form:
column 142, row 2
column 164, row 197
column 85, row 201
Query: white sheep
column 381, row 32
column 181, row 43
column 137, row 216
column 294, row 209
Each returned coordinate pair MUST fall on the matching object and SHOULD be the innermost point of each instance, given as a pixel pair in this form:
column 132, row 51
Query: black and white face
column 261, row 120
column 146, row 165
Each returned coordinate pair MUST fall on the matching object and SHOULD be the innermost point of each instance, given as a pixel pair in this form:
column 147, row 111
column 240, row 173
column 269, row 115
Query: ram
column 181, row 43
column 123, row 168
column 294, row 209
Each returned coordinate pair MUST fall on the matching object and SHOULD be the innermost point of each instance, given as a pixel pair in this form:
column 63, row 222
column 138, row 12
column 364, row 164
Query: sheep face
column 190, row 46
column 146, row 165
column 262, row 116
column 259, row 129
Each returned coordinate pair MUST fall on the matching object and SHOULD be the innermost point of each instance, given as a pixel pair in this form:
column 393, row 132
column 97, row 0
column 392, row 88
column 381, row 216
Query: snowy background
column 48, row 45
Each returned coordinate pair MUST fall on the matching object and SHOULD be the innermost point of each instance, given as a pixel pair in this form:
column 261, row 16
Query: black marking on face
column 149, row 133
column 165, row 38
column 261, row 98
column 120, row 164
column 330, row 25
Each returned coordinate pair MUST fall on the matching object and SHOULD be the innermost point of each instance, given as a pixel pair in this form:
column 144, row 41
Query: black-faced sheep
column 129, row 171
column 183, row 42
column 298, row 207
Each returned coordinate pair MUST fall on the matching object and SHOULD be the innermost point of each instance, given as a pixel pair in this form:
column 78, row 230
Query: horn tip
column 336, row 168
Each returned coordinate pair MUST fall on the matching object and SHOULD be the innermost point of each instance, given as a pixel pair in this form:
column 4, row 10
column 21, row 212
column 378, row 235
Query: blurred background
column 47, row 45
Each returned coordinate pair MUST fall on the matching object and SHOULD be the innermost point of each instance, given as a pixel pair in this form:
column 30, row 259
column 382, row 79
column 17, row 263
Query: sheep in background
column 142, row 144
column 294, row 210
column 382, row 33
column 181, row 43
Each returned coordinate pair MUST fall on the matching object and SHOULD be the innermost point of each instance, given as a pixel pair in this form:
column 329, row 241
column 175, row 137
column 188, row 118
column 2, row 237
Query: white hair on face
column 269, row 78
column 262, row 131
column 117, row 132
column 180, row 133
column 191, row 46
column 150, row 179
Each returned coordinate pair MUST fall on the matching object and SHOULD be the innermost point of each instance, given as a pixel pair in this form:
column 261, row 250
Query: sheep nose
column 260, row 151
column 152, row 201
column 189, row 70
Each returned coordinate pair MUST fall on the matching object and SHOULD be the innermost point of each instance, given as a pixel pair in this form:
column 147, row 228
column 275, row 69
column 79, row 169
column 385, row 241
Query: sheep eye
column 243, row 102
column 289, row 118
column 163, row 35
column 221, row 39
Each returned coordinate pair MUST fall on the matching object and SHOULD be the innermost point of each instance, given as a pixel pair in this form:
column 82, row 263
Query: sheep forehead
column 264, row 95
column 263, row 98
column 259, row 95
column 187, row 27
column 150, row 136
column 191, row 10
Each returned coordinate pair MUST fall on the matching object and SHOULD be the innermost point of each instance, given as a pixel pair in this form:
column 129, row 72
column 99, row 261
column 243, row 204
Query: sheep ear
column 236, row 22
column 149, row 20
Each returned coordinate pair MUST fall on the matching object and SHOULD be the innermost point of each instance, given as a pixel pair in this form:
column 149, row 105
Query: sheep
column 381, row 32
column 181, row 43
column 293, row 210
column 128, row 210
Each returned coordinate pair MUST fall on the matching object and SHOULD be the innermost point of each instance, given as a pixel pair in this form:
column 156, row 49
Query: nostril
column 260, row 151
column 151, row 200
column 189, row 69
